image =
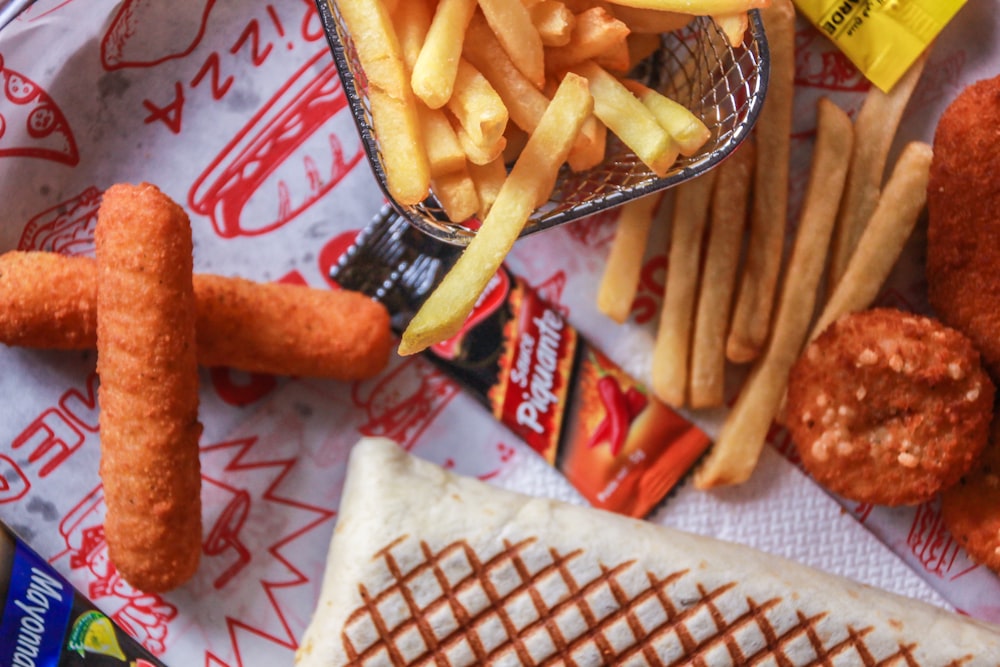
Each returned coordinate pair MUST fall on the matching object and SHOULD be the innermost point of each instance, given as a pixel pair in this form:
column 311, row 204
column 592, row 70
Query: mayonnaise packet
column 881, row 37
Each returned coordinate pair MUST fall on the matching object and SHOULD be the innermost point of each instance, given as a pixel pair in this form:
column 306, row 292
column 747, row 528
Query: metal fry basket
column 695, row 66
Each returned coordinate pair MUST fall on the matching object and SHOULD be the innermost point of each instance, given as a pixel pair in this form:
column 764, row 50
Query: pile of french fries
column 460, row 90
column 732, row 295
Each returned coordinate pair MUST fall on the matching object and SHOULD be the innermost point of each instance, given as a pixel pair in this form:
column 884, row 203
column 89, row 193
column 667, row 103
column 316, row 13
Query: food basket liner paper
column 234, row 110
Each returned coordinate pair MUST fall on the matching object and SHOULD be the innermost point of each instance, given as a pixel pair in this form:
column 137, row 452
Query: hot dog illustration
column 290, row 152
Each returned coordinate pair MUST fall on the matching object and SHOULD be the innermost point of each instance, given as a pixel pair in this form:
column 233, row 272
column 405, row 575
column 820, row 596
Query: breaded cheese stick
column 49, row 301
column 149, row 387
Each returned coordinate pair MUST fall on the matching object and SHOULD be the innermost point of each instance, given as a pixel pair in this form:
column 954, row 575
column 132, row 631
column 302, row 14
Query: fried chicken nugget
column 963, row 229
column 149, row 387
column 888, row 407
column 971, row 509
column 49, row 301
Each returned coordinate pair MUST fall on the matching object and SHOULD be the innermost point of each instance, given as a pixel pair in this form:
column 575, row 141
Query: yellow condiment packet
column 881, row 37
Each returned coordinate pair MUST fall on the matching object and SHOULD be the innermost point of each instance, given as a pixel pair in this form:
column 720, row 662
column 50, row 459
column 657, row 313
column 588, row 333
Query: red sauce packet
column 619, row 446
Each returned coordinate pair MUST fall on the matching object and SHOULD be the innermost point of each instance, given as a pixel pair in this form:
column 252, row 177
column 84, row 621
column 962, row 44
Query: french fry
column 443, row 313
column 616, row 58
column 673, row 334
column 875, row 127
column 477, row 106
column 620, row 279
column 891, row 224
column 554, row 22
column 733, row 26
column 589, row 149
column 412, row 21
column 49, row 301
column 650, row 21
column 433, row 76
column 768, row 219
column 629, row 119
column 444, row 152
column 487, row 179
column 149, row 387
column 687, row 130
column 394, row 114
column 722, row 255
column 456, row 192
column 511, row 23
column 641, row 46
column 525, row 103
column 733, row 457
column 595, row 33
column 710, row 7
column 475, row 152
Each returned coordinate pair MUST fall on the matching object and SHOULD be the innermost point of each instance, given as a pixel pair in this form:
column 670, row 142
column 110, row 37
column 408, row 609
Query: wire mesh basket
column 695, row 66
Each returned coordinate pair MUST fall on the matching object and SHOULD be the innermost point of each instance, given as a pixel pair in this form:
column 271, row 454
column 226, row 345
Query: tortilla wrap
column 428, row 567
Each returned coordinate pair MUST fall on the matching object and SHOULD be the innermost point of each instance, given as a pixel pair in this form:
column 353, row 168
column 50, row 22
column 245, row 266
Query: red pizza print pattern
column 31, row 124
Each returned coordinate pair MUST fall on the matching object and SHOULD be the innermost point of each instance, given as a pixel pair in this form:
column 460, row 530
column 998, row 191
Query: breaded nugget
column 888, row 407
column 963, row 225
column 971, row 508
column 149, row 387
column 50, row 301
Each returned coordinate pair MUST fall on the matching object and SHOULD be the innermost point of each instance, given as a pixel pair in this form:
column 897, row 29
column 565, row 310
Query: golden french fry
column 621, row 271
column 733, row 26
column 673, row 335
column 525, row 103
column 412, row 21
column 768, row 219
column 734, row 455
column 651, row 21
column 444, row 151
column 629, row 119
column 588, row 151
column 596, row 32
column 488, row 179
column 456, row 192
column 397, row 127
column 393, row 107
column 875, row 127
column 442, row 315
column 511, row 23
column 641, row 46
column 688, row 130
column 477, row 106
column 554, row 22
column 616, row 58
column 727, row 222
column 433, row 76
column 710, row 7
column 885, row 234
column 474, row 151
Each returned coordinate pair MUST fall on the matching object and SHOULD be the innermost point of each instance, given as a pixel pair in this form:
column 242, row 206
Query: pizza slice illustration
column 31, row 124
column 141, row 35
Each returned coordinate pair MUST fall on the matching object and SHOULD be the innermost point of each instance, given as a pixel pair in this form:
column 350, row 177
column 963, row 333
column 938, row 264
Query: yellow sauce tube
column 881, row 37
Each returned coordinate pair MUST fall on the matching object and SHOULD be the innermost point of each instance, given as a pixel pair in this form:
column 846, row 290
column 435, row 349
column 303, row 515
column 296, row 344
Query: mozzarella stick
column 49, row 301
column 149, row 387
